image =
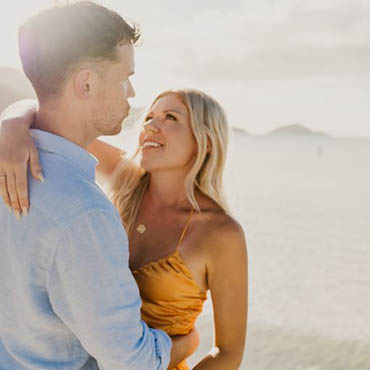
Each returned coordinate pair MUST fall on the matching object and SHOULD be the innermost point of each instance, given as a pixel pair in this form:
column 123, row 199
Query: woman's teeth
column 151, row 144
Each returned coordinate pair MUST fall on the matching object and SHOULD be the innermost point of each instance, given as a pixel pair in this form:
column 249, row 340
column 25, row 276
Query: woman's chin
column 150, row 166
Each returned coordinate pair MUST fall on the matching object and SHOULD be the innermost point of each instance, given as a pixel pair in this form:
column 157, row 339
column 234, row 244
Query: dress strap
column 185, row 228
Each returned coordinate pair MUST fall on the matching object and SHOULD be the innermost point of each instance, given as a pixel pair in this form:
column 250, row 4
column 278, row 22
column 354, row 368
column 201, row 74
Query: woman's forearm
column 108, row 156
column 17, row 119
column 21, row 113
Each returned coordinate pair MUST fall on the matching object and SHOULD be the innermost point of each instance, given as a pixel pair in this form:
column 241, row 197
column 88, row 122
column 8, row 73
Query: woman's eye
column 170, row 117
column 147, row 119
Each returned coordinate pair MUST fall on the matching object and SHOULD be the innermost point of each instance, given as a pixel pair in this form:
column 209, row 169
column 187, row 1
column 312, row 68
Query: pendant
column 141, row 229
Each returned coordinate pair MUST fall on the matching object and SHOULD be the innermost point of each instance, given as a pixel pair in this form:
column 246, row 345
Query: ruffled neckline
column 172, row 256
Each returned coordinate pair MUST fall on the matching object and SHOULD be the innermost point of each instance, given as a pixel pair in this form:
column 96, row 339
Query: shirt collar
column 80, row 157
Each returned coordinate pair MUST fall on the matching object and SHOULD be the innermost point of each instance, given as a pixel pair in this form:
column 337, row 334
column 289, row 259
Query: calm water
column 304, row 203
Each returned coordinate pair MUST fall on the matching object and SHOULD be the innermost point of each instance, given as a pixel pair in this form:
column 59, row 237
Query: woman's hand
column 183, row 346
column 16, row 150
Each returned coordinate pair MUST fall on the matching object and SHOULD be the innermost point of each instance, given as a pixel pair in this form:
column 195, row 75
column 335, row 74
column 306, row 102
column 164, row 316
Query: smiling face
column 167, row 140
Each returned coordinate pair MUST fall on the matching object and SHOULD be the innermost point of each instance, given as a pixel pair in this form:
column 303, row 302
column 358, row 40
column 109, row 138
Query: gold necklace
column 141, row 229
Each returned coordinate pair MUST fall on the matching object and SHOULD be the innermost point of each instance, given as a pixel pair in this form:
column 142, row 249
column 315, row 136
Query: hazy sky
column 269, row 62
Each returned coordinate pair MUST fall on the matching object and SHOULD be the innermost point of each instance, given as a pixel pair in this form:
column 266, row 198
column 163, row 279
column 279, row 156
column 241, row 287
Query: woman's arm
column 17, row 148
column 227, row 269
column 108, row 156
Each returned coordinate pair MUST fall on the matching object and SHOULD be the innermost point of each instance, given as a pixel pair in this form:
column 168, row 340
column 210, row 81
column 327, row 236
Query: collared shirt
column 67, row 297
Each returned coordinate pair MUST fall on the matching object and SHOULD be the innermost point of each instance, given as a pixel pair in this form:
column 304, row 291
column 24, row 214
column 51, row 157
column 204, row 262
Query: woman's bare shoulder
column 224, row 247
column 221, row 232
column 225, row 230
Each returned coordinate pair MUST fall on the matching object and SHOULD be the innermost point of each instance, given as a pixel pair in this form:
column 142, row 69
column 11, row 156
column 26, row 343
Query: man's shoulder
column 67, row 192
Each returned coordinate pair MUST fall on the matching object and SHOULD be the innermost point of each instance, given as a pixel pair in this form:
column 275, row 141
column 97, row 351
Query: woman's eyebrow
column 172, row 110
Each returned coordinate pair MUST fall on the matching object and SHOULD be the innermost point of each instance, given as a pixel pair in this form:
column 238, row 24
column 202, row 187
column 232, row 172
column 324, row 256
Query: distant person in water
column 68, row 298
column 183, row 241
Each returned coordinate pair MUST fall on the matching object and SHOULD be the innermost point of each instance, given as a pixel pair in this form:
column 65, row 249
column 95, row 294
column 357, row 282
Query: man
column 68, row 299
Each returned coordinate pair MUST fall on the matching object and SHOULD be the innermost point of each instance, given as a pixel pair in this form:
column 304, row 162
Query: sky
column 268, row 62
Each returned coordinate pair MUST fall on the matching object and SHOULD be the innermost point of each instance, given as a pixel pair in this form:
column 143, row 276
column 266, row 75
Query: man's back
column 28, row 322
column 48, row 316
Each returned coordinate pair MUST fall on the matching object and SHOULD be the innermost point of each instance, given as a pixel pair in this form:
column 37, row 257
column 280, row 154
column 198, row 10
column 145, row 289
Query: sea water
column 304, row 203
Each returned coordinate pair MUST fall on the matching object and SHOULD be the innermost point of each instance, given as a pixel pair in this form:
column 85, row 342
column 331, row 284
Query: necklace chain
column 141, row 228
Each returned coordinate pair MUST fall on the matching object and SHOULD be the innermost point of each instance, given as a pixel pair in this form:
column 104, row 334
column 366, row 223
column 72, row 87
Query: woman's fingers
column 12, row 190
column 22, row 187
column 14, row 182
column 4, row 191
column 35, row 166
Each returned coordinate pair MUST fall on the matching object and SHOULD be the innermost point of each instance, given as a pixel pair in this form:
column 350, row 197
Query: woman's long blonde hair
column 210, row 129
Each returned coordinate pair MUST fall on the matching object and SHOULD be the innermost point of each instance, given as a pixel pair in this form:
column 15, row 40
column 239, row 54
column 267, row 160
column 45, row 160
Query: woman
column 183, row 242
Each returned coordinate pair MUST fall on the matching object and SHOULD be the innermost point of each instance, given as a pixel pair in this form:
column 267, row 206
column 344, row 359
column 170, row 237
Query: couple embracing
column 89, row 283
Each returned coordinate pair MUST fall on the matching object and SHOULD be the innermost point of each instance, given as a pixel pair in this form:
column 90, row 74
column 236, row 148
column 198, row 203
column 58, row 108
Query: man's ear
column 84, row 81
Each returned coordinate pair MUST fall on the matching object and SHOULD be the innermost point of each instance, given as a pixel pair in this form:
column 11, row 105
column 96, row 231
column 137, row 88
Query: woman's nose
column 151, row 125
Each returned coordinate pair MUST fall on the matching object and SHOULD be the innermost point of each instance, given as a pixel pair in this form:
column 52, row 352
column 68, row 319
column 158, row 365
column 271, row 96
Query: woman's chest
column 165, row 257
column 152, row 245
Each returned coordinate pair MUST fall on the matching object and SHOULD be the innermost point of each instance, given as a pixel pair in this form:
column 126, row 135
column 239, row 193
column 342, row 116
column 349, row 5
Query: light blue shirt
column 67, row 297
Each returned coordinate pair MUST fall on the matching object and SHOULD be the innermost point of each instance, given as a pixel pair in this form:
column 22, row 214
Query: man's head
column 81, row 51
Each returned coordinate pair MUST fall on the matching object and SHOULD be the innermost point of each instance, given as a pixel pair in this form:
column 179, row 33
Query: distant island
column 242, row 131
column 296, row 130
column 288, row 130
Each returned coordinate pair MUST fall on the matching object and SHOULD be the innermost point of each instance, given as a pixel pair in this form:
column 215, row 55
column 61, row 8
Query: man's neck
column 59, row 120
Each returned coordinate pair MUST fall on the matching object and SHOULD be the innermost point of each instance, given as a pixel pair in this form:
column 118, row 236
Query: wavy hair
column 210, row 129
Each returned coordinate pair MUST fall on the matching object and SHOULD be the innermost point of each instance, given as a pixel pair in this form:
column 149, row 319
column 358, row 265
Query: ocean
column 304, row 203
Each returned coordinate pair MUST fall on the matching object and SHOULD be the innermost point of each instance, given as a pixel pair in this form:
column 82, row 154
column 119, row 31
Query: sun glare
column 12, row 15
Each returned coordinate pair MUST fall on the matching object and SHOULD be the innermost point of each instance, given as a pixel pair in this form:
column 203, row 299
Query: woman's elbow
column 233, row 358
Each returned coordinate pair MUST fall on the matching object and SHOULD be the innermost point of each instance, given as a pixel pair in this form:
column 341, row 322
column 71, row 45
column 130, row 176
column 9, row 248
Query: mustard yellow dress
column 172, row 300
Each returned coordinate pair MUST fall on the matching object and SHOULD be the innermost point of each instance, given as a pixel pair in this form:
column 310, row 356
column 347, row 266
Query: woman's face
column 167, row 140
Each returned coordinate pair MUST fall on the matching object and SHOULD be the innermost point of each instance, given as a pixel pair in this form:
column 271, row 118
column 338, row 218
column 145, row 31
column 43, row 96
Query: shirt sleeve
column 92, row 290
